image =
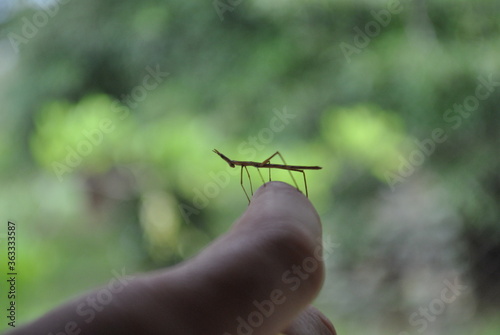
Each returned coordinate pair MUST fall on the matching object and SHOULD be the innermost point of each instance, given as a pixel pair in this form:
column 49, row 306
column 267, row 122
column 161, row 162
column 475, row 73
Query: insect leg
column 262, row 178
column 269, row 159
column 250, row 180
column 289, row 171
column 241, row 182
column 305, row 181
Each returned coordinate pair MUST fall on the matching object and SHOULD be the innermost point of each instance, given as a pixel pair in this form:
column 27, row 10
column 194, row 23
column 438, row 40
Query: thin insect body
column 266, row 164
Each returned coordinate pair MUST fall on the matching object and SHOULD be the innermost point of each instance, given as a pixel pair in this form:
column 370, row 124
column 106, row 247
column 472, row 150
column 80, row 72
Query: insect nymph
column 267, row 165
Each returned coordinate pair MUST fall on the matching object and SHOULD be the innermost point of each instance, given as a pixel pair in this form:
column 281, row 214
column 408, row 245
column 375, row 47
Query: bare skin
column 252, row 280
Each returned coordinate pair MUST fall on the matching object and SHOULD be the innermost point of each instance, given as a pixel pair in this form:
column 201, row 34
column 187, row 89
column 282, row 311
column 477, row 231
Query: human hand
column 257, row 279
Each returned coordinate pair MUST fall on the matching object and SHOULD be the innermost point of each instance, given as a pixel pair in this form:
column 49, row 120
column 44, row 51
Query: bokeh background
column 110, row 111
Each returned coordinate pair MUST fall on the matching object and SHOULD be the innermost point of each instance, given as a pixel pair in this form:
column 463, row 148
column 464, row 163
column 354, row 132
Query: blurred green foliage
column 104, row 168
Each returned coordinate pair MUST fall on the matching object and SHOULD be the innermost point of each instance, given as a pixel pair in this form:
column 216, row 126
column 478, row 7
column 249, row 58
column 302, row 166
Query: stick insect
column 266, row 164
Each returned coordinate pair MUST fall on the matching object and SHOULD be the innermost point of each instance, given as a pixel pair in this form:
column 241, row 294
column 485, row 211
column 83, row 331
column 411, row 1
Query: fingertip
column 282, row 216
column 276, row 186
column 282, row 204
